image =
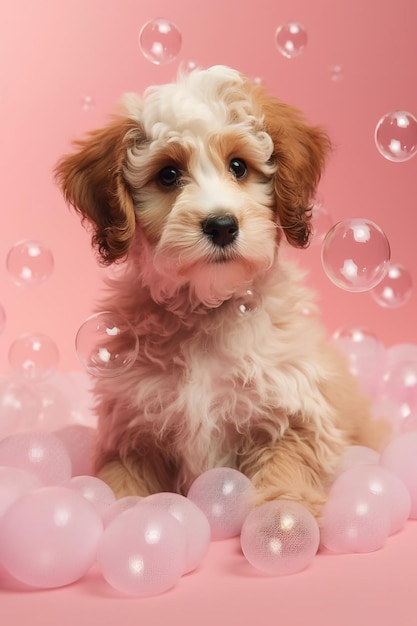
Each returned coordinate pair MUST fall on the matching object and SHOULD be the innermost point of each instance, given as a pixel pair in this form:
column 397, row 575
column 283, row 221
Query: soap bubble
column 29, row 263
column 39, row 452
column 355, row 254
column 87, row 103
column 160, row 41
column 106, row 344
column 280, row 537
column 225, row 496
column 49, row 537
column 395, row 289
column 336, row 73
column 291, row 39
column 143, row 551
column 246, row 302
column 34, row 356
column 396, row 136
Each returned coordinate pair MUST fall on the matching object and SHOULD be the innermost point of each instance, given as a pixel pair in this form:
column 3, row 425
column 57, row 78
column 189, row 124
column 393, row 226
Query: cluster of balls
column 55, row 524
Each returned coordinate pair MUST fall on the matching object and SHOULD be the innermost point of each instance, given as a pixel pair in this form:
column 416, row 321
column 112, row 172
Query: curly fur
column 263, row 391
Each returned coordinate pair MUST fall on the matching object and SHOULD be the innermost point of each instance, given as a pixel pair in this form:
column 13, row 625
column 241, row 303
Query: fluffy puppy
column 193, row 186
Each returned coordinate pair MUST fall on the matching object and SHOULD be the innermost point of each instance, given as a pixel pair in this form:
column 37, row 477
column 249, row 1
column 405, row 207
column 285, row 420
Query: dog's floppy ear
column 93, row 183
column 300, row 152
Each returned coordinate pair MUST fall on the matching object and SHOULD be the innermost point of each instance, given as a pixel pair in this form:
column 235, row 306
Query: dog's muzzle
column 222, row 230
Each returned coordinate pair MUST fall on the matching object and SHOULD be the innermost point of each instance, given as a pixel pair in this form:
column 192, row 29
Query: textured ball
column 280, row 537
column 354, row 522
column 119, row 506
column 400, row 458
column 225, row 496
column 380, row 483
column 37, row 451
column 96, row 491
column 357, row 455
column 79, row 441
column 49, row 537
column 143, row 551
column 15, row 483
column 191, row 517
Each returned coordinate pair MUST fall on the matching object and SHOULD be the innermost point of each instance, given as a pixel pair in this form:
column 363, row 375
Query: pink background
column 56, row 53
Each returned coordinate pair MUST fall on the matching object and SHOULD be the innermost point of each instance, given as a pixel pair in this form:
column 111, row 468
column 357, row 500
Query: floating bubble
column 20, row 406
column 160, row 41
column 336, row 73
column 280, row 537
column 87, row 103
column 29, row 263
column 143, row 551
column 321, row 222
column 38, row 452
column 34, row 356
column 396, row 136
column 49, row 537
column 355, row 254
column 291, row 39
column 225, row 496
column 106, row 344
column 395, row 289
column 246, row 302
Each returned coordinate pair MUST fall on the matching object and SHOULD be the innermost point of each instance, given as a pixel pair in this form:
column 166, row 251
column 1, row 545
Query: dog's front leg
column 295, row 468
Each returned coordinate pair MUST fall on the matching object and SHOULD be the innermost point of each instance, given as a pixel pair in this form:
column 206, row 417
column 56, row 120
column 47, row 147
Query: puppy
column 193, row 187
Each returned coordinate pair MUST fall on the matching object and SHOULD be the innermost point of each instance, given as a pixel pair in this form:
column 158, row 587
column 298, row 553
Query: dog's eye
column 238, row 168
column 169, row 176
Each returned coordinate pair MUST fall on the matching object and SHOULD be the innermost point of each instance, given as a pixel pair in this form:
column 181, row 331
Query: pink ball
column 354, row 523
column 120, row 506
column 37, row 451
column 380, row 483
column 20, row 406
column 191, row 517
column 400, row 458
column 357, row 455
column 225, row 496
column 15, row 483
column 96, row 491
column 400, row 389
column 79, row 441
column 49, row 537
column 143, row 551
column 280, row 537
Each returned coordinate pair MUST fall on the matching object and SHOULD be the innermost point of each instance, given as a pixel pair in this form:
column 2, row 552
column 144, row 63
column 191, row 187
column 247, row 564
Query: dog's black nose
column 222, row 229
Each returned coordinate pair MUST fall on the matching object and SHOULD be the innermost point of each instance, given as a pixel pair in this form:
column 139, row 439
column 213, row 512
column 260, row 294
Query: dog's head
column 205, row 173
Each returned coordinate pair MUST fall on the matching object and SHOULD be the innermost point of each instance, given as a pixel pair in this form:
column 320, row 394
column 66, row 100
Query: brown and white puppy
column 193, row 186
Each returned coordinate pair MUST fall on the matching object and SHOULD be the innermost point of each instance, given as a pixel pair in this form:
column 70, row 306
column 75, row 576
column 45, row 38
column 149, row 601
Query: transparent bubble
column 355, row 254
column 29, row 263
column 20, row 405
column 291, row 39
column 2, row 319
column 87, row 103
column 106, row 344
column 396, row 136
column 34, row 356
column 395, row 288
column 246, row 302
column 160, row 41
column 321, row 222
column 336, row 73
